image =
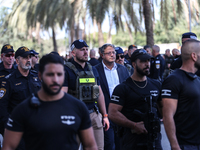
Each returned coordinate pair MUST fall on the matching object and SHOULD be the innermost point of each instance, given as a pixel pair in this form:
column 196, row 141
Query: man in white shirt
column 110, row 74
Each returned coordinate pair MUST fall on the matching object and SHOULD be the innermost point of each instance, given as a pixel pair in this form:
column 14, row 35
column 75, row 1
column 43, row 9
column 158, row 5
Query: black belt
column 91, row 110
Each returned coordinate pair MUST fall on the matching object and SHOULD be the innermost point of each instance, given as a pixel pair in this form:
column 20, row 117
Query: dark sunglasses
column 8, row 55
column 122, row 56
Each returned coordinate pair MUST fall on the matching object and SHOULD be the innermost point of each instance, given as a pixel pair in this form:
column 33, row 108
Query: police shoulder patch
column 2, row 92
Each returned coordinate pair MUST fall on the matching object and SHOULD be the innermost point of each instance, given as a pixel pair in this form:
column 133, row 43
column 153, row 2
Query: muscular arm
column 102, row 108
column 11, row 140
column 114, row 113
column 87, row 139
column 169, row 109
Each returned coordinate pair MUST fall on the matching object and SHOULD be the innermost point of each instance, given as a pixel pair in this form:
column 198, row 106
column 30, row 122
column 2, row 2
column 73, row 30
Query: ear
column 134, row 64
column 17, row 61
column 73, row 52
column 194, row 56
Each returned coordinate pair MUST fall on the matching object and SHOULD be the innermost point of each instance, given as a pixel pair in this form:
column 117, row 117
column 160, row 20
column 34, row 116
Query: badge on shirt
column 35, row 78
column 2, row 92
column 157, row 64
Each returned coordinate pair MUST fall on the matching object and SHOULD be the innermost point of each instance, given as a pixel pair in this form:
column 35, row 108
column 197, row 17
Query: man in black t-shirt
column 50, row 119
column 131, row 103
column 181, row 100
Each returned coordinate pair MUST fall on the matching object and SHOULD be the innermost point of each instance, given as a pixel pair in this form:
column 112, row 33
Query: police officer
column 34, row 61
column 51, row 119
column 82, row 81
column 131, row 103
column 18, row 85
column 7, row 57
column 157, row 64
column 121, row 60
column 6, row 67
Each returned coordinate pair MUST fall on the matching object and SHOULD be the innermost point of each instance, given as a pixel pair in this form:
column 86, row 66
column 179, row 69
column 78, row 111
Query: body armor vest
column 87, row 89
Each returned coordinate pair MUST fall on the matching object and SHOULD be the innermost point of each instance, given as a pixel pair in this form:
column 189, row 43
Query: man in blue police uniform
column 50, row 119
column 7, row 57
column 6, row 67
column 111, row 74
column 157, row 64
column 34, row 61
column 18, row 85
column 82, row 81
column 181, row 100
column 131, row 103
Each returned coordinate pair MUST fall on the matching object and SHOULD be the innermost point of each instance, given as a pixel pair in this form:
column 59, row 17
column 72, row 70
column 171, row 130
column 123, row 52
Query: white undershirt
column 111, row 77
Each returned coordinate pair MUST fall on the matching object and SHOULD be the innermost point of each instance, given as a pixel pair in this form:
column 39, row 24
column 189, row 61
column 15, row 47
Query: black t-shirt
column 138, row 98
column 184, row 87
column 53, row 125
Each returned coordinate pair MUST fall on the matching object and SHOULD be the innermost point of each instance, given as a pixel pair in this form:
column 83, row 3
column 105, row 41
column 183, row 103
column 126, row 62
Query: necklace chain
column 140, row 86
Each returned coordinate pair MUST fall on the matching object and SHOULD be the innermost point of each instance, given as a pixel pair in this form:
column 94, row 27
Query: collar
column 3, row 68
column 78, row 66
column 18, row 74
column 105, row 67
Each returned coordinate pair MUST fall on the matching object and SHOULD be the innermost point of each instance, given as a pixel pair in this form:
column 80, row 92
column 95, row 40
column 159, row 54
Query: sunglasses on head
column 122, row 56
column 8, row 55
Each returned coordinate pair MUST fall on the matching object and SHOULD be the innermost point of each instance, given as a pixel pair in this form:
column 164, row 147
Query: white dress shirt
column 111, row 77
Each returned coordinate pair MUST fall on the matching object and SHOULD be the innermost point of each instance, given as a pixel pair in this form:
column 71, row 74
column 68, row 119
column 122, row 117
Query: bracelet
column 105, row 115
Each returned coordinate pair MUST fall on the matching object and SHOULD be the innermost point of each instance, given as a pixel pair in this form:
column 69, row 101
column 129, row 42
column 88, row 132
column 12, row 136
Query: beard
column 142, row 72
column 197, row 63
column 24, row 66
column 81, row 59
column 48, row 90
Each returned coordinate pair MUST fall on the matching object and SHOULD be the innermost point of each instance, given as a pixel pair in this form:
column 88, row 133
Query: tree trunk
column 109, row 40
column 54, row 40
column 174, row 11
column 84, row 28
column 37, row 32
column 100, row 35
column 148, row 22
column 129, row 30
column 94, row 32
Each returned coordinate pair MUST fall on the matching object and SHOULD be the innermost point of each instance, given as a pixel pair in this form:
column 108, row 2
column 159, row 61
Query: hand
column 106, row 123
column 139, row 128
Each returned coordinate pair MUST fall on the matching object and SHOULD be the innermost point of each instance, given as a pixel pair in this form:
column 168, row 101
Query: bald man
column 93, row 61
column 176, row 53
column 181, row 100
column 157, row 64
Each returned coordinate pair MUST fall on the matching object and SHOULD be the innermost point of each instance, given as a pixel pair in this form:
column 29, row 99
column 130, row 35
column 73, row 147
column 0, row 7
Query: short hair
column 102, row 49
column 49, row 58
column 132, row 46
column 146, row 46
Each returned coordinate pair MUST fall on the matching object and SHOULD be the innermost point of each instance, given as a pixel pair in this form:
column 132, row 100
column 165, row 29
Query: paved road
column 165, row 141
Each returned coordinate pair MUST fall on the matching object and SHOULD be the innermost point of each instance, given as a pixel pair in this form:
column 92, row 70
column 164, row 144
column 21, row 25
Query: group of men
column 105, row 106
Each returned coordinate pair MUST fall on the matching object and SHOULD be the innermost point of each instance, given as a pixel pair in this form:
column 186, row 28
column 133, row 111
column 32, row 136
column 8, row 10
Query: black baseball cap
column 23, row 52
column 140, row 54
column 189, row 35
column 34, row 52
column 78, row 44
column 7, row 48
